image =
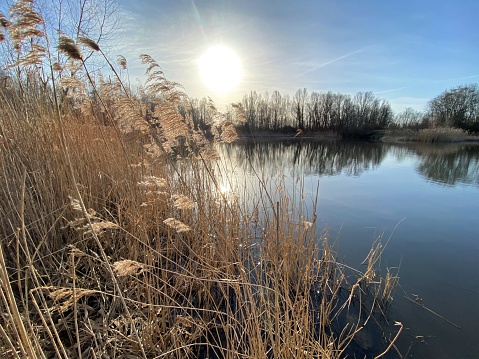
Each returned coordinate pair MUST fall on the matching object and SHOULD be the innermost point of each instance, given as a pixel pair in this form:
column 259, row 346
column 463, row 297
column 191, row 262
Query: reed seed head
column 179, row 226
column 3, row 21
column 57, row 67
column 88, row 43
column 69, row 48
column 228, row 132
column 122, row 62
column 127, row 267
column 183, row 202
column 66, row 297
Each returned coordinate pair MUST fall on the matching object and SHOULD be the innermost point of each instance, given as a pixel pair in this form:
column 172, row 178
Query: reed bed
column 428, row 135
column 117, row 241
column 442, row 135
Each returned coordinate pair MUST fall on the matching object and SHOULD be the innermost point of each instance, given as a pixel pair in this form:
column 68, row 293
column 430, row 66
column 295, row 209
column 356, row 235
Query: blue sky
column 404, row 51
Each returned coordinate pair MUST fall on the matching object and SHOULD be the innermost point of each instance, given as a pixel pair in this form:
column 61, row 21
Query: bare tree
column 34, row 29
column 458, row 107
column 299, row 106
column 408, row 118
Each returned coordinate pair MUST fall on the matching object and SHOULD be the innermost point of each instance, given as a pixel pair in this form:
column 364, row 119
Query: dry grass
column 439, row 134
column 114, row 245
column 442, row 135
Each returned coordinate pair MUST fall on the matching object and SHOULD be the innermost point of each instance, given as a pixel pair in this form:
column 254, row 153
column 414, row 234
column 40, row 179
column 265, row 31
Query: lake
column 423, row 198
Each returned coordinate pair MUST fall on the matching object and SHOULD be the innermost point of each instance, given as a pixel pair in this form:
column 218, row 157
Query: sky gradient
column 404, row 51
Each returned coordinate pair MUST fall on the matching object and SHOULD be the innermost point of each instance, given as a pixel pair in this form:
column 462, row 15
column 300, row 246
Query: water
column 425, row 198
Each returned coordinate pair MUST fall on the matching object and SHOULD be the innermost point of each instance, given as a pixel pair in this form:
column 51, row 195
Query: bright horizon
column 405, row 52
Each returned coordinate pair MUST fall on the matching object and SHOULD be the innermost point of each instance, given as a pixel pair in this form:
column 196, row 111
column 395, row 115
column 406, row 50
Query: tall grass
column 428, row 135
column 117, row 241
column 442, row 135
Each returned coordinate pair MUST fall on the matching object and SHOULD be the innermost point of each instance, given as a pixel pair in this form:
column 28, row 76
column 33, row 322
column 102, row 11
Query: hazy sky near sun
column 404, row 51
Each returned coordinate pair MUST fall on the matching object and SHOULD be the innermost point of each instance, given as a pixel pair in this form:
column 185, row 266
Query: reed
column 442, row 135
column 116, row 239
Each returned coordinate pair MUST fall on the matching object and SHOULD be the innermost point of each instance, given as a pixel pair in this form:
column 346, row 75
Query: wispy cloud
column 316, row 66
column 391, row 90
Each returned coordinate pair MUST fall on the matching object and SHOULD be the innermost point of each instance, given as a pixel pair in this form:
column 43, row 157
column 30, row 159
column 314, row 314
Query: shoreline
column 398, row 136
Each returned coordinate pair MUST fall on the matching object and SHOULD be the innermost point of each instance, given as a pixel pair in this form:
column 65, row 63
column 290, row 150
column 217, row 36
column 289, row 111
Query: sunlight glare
column 220, row 69
column 224, row 188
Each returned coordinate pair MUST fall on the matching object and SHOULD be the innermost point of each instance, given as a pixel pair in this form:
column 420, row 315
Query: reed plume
column 127, row 267
column 4, row 23
column 23, row 23
column 121, row 60
column 67, row 46
column 92, row 45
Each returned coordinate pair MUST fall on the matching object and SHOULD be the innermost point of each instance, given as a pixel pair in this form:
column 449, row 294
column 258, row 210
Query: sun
column 220, row 69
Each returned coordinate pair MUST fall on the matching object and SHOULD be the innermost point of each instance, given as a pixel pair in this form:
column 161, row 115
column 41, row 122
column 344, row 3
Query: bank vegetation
column 451, row 116
column 117, row 240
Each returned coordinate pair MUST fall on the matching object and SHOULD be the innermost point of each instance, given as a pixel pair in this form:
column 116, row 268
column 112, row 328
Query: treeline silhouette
column 315, row 111
column 341, row 113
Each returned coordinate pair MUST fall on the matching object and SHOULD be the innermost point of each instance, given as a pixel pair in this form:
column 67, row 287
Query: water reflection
column 450, row 164
column 310, row 157
column 440, row 225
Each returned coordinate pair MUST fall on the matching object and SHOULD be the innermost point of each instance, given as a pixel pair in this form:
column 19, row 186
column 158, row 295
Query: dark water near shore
column 425, row 198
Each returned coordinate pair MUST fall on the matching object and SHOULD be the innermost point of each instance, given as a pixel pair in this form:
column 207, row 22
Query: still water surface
column 425, row 198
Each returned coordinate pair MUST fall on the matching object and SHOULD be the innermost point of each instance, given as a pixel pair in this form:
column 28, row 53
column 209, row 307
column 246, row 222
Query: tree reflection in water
column 310, row 157
column 460, row 165
column 448, row 164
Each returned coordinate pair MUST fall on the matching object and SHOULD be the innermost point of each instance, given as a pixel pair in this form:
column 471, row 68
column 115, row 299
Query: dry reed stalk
column 390, row 284
column 22, row 339
column 392, row 342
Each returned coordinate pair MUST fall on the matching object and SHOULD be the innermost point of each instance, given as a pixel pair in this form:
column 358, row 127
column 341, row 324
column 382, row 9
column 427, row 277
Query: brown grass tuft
column 57, row 67
column 228, row 132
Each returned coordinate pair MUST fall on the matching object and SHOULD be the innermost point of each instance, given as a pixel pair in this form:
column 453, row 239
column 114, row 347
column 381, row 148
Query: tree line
column 343, row 113
column 315, row 111
column 457, row 108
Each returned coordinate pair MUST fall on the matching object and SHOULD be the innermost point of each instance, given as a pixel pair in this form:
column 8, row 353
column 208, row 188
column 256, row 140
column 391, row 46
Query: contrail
column 392, row 90
column 314, row 68
column 198, row 18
